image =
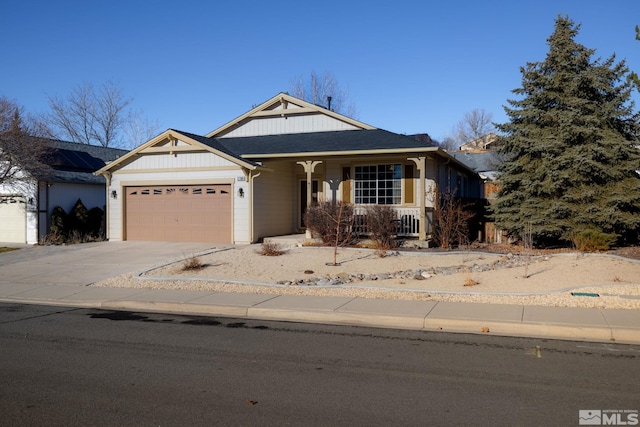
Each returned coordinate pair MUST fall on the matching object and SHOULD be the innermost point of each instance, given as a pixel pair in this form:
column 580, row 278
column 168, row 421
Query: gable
column 284, row 114
column 172, row 149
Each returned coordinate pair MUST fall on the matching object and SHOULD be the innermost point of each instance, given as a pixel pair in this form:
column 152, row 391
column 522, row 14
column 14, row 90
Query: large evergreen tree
column 571, row 147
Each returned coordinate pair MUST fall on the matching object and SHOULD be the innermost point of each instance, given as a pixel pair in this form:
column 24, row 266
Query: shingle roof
column 486, row 161
column 215, row 144
column 337, row 141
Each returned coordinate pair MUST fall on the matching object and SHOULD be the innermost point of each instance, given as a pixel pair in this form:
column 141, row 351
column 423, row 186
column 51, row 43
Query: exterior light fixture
column 114, row 194
column 240, row 192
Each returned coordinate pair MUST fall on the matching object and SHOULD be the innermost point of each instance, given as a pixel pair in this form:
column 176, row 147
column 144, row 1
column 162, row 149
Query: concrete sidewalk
column 60, row 277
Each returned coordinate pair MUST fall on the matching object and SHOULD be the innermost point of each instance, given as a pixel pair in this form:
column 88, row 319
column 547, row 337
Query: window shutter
column 409, row 185
column 346, row 184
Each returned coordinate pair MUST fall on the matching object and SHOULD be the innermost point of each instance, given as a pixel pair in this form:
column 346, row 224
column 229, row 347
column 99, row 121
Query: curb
column 608, row 334
column 479, row 327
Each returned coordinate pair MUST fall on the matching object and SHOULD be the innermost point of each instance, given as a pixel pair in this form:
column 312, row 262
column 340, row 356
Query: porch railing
column 407, row 221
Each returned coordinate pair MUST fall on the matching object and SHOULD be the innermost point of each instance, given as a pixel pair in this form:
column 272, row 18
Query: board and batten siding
column 183, row 169
column 289, row 124
column 274, row 201
column 181, row 160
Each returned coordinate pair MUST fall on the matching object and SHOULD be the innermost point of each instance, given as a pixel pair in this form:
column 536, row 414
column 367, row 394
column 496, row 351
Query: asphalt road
column 69, row 366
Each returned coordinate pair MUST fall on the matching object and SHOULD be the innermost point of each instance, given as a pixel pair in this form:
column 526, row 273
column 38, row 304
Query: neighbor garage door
column 188, row 213
column 13, row 219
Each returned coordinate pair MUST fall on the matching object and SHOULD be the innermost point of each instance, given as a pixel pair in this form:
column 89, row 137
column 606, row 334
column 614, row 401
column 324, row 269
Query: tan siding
column 274, row 201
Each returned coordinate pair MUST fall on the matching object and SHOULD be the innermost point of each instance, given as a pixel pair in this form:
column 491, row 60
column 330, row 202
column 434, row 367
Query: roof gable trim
column 168, row 142
column 279, row 106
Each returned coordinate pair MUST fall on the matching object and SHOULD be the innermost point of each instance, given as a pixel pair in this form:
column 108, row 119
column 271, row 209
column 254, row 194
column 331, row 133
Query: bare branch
column 139, row 129
column 22, row 156
column 475, row 124
column 90, row 117
column 319, row 88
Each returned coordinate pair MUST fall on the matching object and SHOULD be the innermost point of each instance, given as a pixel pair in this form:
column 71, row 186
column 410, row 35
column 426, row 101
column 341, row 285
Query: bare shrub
column 333, row 223
column 192, row 263
column 469, row 280
column 270, row 249
column 381, row 224
column 381, row 253
column 72, row 238
column 451, row 221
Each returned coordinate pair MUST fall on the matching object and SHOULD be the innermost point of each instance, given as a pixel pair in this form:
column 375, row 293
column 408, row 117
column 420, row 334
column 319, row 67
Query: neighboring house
column 255, row 176
column 485, row 142
column 26, row 207
column 485, row 163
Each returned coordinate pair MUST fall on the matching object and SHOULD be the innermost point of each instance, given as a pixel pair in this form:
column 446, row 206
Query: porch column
column 309, row 166
column 421, row 164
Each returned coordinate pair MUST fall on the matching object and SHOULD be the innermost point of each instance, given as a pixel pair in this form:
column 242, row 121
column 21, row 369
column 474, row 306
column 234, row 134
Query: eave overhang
column 193, row 146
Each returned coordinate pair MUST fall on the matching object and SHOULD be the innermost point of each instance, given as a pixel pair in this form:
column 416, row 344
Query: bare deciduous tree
column 448, row 143
column 451, row 220
column 22, row 153
column 92, row 117
column 139, row 129
column 319, row 88
column 473, row 125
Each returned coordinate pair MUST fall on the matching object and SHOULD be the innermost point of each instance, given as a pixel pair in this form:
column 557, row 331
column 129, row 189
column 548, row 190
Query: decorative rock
column 343, row 278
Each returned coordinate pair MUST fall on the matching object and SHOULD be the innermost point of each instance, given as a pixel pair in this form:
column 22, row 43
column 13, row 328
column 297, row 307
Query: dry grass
column 270, row 249
column 381, row 253
column 192, row 263
column 469, row 280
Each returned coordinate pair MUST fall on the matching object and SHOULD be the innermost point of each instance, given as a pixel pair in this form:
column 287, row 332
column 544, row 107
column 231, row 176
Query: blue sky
column 409, row 66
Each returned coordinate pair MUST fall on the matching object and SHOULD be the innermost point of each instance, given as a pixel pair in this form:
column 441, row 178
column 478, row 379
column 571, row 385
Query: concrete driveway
column 87, row 263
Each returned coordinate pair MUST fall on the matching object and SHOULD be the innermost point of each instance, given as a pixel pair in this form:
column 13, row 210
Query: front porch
column 407, row 221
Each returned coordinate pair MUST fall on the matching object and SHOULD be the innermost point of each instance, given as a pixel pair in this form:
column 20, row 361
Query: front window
column 378, row 184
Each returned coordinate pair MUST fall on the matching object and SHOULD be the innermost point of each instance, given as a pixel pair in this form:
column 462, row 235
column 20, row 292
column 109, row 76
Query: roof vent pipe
column 329, row 102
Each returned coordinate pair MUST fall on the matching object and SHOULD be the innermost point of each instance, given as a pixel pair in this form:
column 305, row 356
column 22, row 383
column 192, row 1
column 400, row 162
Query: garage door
column 13, row 219
column 189, row 213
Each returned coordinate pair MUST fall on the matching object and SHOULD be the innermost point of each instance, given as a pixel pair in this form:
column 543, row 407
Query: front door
column 303, row 198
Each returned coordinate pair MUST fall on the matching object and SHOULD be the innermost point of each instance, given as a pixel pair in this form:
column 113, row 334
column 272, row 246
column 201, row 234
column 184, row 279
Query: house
column 485, row 142
column 26, row 207
column 485, row 163
column 255, row 176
